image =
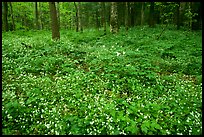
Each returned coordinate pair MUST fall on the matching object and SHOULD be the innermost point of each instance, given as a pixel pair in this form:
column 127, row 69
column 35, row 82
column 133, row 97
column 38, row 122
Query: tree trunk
column 114, row 18
column 97, row 20
column 142, row 14
column 77, row 21
column 178, row 16
column 103, row 21
column 55, row 26
column 58, row 13
column 151, row 15
column 13, row 23
column 197, row 19
column 36, row 15
column 40, row 16
column 126, row 16
column 80, row 17
column 5, row 17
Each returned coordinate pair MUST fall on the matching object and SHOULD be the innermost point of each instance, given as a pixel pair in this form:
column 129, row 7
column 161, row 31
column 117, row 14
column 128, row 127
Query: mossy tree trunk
column 54, row 20
column 12, row 18
column 103, row 21
column 5, row 16
column 114, row 18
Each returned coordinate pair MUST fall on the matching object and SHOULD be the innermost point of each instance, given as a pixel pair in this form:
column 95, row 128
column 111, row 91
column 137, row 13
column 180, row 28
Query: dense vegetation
column 90, row 83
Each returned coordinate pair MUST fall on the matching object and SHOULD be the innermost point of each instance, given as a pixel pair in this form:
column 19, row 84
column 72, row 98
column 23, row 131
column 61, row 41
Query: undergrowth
column 90, row 83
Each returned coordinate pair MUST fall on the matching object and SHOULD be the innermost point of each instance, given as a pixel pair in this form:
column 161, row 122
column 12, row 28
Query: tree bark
column 126, row 16
column 13, row 23
column 40, row 17
column 97, row 20
column 142, row 14
column 5, row 17
column 58, row 13
column 103, row 21
column 36, row 15
column 196, row 8
column 55, row 26
column 114, row 18
column 80, row 17
column 77, row 21
column 178, row 16
column 151, row 15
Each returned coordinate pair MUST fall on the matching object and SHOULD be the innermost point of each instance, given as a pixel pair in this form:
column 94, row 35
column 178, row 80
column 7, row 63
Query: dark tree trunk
column 97, row 20
column 103, row 21
column 178, row 16
column 40, row 17
column 78, row 17
column 13, row 23
column 36, row 15
column 5, row 17
column 77, row 21
column 127, row 16
column 151, row 15
column 197, row 19
column 55, row 26
column 142, row 14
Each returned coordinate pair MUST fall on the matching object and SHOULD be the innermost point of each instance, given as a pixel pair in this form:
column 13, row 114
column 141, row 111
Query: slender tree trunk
column 5, row 17
column 80, row 17
column 142, row 14
column 97, row 20
column 13, row 23
column 40, row 16
column 77, row 21
column 178, row 16
column 114, row 18
column 126, row 16
column 151, row 15
column 103, row 21
column 58, row 13
column 190, row 8
column 36, row 15
column 55, row 26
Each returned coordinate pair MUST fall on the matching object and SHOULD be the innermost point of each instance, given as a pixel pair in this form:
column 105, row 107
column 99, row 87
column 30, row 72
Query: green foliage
column 88, row 83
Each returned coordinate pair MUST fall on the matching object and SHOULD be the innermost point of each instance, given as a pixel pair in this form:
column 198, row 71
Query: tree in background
column 127, row 11
column 54, row 20
column 40, row 17
column 58, row 13
column 12, row 17
column 114, row 18
column 103, row 21
column 151, row 15
column 37, row 26
column 178, row 16
column 196, row 9
column 5, row 16
column 79, row 16
column 142, row 13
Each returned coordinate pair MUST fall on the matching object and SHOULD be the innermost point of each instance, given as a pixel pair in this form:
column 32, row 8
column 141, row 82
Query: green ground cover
column 88, row 83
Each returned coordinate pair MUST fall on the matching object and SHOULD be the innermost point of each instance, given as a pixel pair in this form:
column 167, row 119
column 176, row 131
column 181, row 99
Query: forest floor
column 89, row 83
